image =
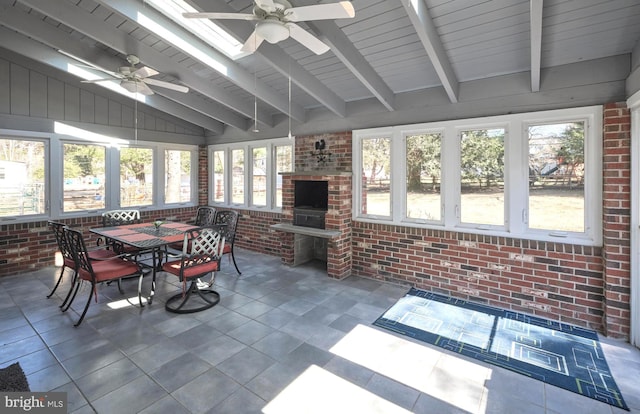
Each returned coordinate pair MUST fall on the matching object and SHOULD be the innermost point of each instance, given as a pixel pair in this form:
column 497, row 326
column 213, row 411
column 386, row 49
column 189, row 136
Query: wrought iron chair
column 97, row 271
column 118, row 218
column 67, row 258
column 228, row 220
column 205, row 216
column 201, row 254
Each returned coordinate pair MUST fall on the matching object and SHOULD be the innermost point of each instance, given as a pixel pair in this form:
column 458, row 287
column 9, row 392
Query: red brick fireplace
column 337, row 231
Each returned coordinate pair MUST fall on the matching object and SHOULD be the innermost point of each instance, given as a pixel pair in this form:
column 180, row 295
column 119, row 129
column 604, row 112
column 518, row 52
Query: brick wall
column 30, row 246
column 254, row 232
column 616, row 219
column 553, row 280
column 203, row 175
column 338, row 146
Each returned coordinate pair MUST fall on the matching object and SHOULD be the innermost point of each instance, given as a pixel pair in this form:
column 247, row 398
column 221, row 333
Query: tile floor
column 282, row 340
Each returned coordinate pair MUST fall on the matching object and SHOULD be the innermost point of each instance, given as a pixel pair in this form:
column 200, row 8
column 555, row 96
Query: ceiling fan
column 135, row 79
column 276, row 21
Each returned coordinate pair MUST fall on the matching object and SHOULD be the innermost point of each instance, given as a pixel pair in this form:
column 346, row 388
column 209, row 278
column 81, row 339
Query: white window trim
column 402, row 215
column 634, row 104
column 516, row 158
column 271, row 165
column 54, row 175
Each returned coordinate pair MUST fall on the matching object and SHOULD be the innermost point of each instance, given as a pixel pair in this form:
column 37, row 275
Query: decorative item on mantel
column 322, row 155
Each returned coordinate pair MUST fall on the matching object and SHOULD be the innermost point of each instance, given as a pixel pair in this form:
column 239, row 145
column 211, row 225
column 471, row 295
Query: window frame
column 516, row 191
column 42, row 138
column 54, row 173
column 154, row 196
column 271, row 166
column 405, row 135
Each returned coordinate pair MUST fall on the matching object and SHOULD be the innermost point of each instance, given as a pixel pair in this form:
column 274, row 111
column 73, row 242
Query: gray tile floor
column 282, row 340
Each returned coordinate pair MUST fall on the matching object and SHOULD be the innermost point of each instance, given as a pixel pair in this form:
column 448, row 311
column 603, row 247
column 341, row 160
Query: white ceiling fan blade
column 97, row 80
column 307, row 39
column 93, row 67
column 144, row 72
column 89, row 65
column 220, row 16
column 266, row 5
column 341, row 10
column 167, row 85
column 252, row 43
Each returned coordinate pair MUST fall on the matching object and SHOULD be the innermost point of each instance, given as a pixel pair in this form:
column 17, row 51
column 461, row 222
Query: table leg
column 155, row 263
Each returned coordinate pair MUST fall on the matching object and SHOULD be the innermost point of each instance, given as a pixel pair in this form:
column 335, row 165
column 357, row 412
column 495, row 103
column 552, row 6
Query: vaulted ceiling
column 396, row 62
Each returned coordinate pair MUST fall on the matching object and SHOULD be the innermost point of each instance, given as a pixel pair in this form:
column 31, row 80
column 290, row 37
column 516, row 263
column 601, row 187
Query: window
column 218, row 176
column 376, row 176
column 556, row 176
column 83, row 177
column 177, row 172
column 252, row 179
column 22, row 177
column 423, row 176
column 534, row 175
column 284, row 163
column 136, row 177
column 482, row 177
column 237, row 182
column 76, row 174
column 259, row 176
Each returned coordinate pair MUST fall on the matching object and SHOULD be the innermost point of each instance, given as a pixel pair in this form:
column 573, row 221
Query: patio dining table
column 146, row 237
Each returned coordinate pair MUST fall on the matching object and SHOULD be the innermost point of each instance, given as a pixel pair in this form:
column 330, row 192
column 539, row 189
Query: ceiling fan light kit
column 136, row 87
column 273, row 31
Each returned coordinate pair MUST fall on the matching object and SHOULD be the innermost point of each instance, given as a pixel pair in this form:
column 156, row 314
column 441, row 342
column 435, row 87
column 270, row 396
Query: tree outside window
column 259, row 178
column 178, row 176
column 556, row 177
column 423, row 176
column 482, row 176
column 237, row 184
column 22, row 177
column 284, row 163
column 136, row 177
column 218, row 176
column 84, row 177
column 376, row 176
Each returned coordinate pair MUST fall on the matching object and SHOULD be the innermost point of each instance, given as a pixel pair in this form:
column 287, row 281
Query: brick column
column 616, row 220
column 338, row 217
column 203, row 175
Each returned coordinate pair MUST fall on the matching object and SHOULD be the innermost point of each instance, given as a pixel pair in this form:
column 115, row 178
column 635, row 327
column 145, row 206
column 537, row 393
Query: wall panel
column 37, row 95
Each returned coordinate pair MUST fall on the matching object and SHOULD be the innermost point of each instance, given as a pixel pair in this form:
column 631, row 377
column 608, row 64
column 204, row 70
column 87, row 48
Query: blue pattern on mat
column 563, row 355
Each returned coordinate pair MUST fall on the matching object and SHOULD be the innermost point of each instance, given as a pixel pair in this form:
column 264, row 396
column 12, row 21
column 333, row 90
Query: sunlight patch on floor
column 445, row 377
column 123, row 303
column 319, row 391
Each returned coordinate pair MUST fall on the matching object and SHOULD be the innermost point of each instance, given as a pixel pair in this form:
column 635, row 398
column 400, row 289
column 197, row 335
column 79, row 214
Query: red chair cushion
column 226, row 249
column 110, row 269
column 173, row 267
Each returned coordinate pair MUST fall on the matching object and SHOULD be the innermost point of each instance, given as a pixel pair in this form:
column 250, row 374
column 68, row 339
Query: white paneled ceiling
column 397, row 61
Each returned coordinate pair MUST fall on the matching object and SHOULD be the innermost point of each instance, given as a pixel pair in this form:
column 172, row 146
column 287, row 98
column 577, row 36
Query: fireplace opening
column 311, row 201
column 311, row 194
